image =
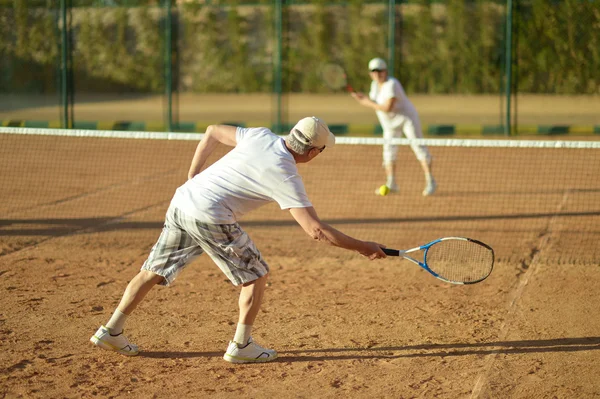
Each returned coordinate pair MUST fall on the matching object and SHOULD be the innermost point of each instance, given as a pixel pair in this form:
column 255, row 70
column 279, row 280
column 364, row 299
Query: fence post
column 508, row 67
column 64, row 73
column 391, row 35
column 168, row 67
column 277, row 58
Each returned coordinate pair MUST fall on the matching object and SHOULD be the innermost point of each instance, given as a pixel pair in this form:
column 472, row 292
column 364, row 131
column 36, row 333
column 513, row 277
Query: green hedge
column 453, row 46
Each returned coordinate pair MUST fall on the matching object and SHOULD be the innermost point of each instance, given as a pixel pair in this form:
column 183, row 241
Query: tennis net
column 526, row 198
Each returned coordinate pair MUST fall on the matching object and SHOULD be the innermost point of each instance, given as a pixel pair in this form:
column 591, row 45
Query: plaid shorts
column 184, row 238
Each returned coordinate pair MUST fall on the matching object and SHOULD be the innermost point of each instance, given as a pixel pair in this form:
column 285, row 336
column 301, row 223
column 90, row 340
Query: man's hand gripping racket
column 456, row 260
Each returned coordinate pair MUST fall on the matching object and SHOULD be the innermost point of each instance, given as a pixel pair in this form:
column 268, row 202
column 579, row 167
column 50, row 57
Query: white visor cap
column 315, row 132
column 377, row 63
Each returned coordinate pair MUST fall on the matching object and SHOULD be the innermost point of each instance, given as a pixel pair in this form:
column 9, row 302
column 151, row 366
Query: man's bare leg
column 110, row 337
column 249, row 303
column 242, row 349
column 137, row 289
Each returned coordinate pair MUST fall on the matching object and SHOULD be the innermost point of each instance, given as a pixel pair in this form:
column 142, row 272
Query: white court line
column 483, row 377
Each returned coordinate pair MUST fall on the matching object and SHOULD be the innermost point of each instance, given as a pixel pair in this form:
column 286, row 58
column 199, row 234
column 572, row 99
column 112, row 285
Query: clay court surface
column 79, row 216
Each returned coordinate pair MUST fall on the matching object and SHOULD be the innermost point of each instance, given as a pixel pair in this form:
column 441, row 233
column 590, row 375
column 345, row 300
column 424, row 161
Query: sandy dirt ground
column 259, row 109
column 79, row 216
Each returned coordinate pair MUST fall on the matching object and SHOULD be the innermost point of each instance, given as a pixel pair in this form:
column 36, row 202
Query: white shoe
column 116, row 343
column 249, row 353
column 393, row 189
column 430, row 187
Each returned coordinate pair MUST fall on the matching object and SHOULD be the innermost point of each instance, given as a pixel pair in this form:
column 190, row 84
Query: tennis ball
column 384, row 190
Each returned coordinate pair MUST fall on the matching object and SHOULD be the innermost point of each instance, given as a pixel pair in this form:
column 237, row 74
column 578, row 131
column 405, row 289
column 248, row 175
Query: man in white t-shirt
column 203, row 214
column 397, row 116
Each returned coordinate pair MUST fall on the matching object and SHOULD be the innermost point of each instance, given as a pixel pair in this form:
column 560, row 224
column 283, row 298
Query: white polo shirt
column 392, row 88
column 258, row 170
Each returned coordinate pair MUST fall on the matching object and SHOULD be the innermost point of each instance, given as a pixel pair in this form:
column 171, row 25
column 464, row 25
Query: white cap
column 377, row 63
column 314, row 132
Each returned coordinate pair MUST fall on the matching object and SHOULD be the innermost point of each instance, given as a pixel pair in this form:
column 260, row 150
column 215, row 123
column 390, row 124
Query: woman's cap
column 377, row 64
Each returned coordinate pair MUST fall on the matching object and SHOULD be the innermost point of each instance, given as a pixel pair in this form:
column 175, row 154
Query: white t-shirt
column 258, row 170
column 392, row 88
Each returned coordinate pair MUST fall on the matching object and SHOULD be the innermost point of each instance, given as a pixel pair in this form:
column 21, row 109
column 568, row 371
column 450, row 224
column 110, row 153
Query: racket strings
column 460, row 261
column 334, row 76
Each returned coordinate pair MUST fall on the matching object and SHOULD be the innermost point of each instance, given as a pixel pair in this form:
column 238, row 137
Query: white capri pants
column 410, row 127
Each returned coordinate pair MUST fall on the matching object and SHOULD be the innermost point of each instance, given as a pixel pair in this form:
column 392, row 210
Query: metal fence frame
column 67, row 89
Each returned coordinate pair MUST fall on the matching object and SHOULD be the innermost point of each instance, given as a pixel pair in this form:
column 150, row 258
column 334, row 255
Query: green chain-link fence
column 175, row 65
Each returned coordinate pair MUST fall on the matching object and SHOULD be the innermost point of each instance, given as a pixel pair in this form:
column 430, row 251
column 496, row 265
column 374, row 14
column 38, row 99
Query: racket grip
column 391, row 252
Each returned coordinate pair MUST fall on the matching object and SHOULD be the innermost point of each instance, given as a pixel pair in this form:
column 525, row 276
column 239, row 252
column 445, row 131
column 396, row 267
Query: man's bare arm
column 307, row 218
column 214, row 135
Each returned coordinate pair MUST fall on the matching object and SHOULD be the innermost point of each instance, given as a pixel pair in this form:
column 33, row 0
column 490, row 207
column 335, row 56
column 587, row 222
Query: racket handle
column 391, row 252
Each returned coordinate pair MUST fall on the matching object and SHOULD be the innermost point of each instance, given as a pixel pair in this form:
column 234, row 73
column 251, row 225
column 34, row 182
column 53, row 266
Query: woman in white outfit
column 397, row 116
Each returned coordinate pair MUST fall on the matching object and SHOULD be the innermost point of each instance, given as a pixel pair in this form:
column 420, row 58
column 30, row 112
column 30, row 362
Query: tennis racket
column 455, row 260
column 335, row 77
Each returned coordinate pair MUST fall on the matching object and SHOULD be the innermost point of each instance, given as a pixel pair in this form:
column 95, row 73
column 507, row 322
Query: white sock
column 242, row 333
column 391, row 182
column 116, row 322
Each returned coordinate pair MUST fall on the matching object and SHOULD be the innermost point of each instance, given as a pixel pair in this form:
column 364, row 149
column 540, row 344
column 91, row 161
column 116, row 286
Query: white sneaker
column 430, row 187
column 116, row 343
column 249, row 353
column 393, row 189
